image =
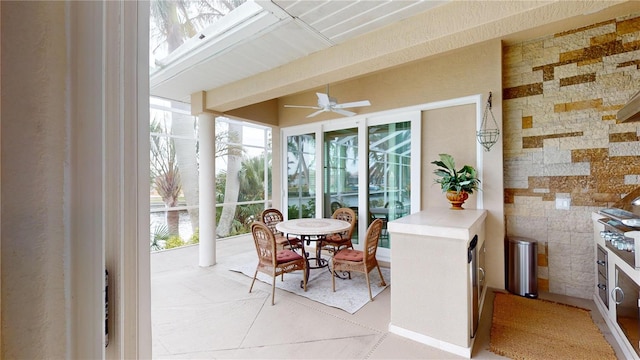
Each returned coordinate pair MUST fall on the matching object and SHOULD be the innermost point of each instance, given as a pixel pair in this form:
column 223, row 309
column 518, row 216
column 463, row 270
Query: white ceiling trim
column 275, row 48
column 216, row 42
column 264, row 35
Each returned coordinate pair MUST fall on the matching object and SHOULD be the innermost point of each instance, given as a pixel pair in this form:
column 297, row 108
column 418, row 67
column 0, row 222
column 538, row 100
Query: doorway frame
column 362, row 123
column 108, row 174
column 415, row 114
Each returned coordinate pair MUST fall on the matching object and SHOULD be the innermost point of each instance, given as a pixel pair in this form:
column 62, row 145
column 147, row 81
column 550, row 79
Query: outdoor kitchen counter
column 433, row 300
column 440, row 222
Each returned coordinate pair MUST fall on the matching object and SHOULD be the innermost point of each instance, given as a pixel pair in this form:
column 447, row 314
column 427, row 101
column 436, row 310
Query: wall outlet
column 563, row 203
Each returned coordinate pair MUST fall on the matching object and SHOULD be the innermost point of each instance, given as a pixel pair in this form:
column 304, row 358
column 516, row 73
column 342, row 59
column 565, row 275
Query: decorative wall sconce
column 487, row 135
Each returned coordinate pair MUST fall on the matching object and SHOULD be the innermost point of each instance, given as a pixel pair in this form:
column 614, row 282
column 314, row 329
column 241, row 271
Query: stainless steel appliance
column 631, row 110
column 482, row 278
column 472, row 257
column 630, row 204
column 626, row 295
column 622, row 228
column 603, row 274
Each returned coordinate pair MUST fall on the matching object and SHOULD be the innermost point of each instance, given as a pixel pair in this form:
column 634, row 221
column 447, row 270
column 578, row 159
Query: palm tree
column 300, row 177
column 232, row 186
column 252, row 188
column 186, row 155
column 165, row 176
column 159, row 236
column 175, row 21
column 172, row 23
column 296, row 147
column 252, row 178
column 377, row 167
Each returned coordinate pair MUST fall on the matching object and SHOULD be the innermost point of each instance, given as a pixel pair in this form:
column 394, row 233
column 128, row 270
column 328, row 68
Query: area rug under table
column 351, row 294
column 525, row 328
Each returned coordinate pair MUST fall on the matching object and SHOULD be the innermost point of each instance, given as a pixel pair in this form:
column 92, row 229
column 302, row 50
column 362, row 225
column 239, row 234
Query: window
column 301, row 176
column 243, row 175
column 243, row 152
column 174, row 174
column 363, row 163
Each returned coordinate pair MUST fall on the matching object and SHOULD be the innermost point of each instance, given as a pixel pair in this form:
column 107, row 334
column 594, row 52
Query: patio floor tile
column 208, row 312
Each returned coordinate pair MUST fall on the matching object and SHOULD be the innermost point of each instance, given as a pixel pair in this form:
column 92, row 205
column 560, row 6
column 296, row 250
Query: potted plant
column 456, row 184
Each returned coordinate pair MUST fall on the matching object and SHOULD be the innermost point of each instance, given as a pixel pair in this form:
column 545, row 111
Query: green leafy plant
column 174, row 242
column 450, row 179
column 159, row 236
column 195, row 238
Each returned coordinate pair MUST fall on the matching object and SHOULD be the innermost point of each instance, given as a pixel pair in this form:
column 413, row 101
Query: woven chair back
column 265, row 244
column 348, row 215
column 271, row 217
column 371, row 242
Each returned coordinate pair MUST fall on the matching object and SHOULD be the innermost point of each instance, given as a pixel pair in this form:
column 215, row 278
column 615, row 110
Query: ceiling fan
column 327, row 103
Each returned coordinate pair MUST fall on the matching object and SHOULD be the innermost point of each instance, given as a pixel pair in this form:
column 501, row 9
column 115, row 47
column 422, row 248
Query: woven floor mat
column 350, row 296
column 525, row 328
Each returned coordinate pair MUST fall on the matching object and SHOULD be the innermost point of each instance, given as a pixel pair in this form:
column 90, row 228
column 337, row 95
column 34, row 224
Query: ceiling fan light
column 327, row 103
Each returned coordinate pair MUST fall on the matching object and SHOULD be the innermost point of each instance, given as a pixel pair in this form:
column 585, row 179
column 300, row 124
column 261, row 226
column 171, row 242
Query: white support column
column 207, row 200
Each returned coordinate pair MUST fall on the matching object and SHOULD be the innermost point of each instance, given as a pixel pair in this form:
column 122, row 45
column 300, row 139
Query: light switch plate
column 563, row 203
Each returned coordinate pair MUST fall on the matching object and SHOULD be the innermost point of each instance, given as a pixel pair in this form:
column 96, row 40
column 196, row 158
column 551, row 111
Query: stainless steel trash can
column 522, row 263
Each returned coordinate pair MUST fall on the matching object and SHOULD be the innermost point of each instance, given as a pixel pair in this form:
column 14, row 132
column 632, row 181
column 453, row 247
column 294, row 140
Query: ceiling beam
column 438, row 31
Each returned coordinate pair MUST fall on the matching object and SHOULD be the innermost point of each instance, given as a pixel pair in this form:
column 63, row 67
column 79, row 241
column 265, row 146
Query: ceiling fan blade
column 316, row 113
column 323, row 100
column 343, row 112
column 302, row 106
column 352, row 104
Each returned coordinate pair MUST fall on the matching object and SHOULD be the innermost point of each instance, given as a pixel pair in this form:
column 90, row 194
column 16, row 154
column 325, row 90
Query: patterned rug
column 350, row 296
column 525, row 328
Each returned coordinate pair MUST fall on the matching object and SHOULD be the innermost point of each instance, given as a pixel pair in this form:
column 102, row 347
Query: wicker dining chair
column 360, row 261
column 335, row 206
column 272, row 261
column 335, row 242
column 271, row 217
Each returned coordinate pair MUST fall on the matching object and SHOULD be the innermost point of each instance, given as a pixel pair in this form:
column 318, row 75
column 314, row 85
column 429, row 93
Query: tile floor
column 206, row 313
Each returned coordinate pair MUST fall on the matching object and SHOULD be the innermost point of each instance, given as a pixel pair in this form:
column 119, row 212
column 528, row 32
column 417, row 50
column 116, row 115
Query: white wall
column 34, row 253
column 74, row 84
column 471, row 71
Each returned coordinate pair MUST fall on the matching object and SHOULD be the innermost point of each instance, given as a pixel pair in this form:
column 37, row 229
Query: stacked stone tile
column 561, row 139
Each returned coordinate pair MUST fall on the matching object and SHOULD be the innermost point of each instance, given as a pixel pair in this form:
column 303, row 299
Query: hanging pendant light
column 487, row 135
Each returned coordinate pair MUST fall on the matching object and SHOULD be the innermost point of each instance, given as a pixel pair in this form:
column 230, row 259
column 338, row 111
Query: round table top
column 313, row 226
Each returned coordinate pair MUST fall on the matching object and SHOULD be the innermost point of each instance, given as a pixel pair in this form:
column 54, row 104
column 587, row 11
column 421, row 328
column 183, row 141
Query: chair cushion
column 283, row 240
column 283, row 256
column 349, row 255
column 336, row 238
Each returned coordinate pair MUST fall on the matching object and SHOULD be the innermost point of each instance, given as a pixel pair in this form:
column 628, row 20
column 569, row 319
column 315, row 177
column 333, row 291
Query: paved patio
column 205, row 313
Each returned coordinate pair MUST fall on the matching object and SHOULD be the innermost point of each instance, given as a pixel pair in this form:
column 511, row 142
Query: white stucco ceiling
column 263, row 35
column 269, row 49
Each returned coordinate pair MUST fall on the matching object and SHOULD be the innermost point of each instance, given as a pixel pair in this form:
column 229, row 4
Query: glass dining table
column 313, row 230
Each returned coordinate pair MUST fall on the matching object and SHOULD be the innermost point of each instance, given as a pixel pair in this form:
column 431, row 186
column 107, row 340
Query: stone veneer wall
column 561, row 140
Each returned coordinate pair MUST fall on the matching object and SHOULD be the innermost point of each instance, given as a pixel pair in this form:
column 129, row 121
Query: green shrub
column 195, row 238
column 173, row 242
